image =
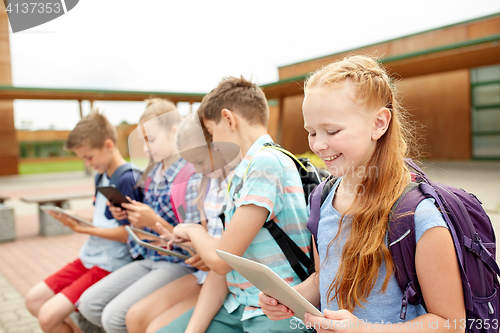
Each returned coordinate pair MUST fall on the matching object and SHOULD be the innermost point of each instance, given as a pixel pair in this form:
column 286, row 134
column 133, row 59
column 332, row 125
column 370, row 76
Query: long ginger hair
column 365, row 250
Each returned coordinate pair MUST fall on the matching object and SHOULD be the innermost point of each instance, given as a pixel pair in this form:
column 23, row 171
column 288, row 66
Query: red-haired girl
column 358, row 128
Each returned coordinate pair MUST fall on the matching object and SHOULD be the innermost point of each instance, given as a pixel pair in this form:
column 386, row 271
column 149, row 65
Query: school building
column 449, row 82
column 449, row 79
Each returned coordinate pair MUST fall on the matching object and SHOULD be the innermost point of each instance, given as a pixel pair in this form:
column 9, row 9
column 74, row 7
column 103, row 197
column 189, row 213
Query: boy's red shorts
column 73, row 279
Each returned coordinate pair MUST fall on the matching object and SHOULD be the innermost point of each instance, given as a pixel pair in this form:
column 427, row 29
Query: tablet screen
column 159, row 249
column 267, row 281
column 77, row 218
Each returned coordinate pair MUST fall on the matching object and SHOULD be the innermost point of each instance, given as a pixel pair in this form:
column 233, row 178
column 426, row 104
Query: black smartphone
column 113, row 195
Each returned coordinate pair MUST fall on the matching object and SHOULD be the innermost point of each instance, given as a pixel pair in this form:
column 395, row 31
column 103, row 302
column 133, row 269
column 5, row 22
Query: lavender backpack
column 472, row 234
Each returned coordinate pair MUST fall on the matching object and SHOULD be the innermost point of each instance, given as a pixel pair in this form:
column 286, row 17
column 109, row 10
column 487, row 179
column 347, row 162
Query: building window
column 485, row 94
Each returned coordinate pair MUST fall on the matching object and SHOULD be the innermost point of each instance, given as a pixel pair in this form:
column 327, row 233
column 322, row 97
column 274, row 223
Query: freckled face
column 340, row 130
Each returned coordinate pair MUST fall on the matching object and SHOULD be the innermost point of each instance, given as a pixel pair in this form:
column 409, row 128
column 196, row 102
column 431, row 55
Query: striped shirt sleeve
column 262, row 186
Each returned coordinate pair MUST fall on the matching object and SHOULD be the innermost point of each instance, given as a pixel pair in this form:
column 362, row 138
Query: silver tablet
column 153, row 237
column 80, row 220
column 133, row 233
column 267, row 281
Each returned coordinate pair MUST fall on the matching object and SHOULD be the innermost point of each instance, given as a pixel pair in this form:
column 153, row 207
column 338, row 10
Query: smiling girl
column 357, row 127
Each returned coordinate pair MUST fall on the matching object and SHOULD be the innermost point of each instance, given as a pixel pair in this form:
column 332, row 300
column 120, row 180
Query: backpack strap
column 298, row 161
column 310, row 175
column 178, row 192
column 97, row 180
column 402, row 245
column 316, row 199
column 293, row 253
column 115, row 177
column 295, row 256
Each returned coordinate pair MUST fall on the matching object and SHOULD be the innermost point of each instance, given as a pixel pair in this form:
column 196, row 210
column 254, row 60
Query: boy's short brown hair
column 91, row 130
column 239, row 95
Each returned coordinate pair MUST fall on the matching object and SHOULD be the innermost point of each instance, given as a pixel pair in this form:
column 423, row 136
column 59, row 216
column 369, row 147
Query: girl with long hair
column 358, row 128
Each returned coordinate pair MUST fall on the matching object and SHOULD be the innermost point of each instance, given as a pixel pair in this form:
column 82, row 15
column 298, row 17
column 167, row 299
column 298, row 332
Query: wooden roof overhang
column 11, row 92
column 468, row 54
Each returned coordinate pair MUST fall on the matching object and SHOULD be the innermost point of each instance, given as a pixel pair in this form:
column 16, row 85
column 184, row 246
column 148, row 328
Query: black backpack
column 311, row 176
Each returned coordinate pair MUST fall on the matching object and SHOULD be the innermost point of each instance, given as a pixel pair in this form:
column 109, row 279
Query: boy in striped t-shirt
column 236, row 111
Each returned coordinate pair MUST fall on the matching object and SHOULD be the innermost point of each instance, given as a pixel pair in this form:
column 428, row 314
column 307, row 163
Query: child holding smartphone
column 107, row 302
column 167, row 303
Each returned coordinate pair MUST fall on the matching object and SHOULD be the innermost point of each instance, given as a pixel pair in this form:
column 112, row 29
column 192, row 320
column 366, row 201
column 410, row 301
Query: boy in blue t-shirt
column 52, row 300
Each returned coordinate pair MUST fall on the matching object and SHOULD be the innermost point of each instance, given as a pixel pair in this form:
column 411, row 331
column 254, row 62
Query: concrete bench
column 48, row 225
column 7, row 221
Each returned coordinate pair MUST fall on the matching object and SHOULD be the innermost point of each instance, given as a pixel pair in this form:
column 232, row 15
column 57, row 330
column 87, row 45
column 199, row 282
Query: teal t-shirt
column 272, row 182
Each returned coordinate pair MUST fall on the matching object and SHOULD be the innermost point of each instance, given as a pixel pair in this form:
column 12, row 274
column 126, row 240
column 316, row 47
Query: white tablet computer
column 267, row 281
column 133, row 233
column 144, row 235
column 80, row 220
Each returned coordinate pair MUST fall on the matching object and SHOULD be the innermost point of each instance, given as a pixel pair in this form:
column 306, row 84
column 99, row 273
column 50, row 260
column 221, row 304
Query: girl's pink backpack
column 178, row 194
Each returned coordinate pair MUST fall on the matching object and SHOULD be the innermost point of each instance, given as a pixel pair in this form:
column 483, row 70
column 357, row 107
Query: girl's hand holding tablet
column 334, row 321
column 140, row 215
column 181, row 232
column 165, row 234
column 341, row 321
column 174, row 238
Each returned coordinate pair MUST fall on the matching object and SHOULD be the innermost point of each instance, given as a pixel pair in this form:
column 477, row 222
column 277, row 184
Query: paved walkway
column 31, row 258
column 13, row 314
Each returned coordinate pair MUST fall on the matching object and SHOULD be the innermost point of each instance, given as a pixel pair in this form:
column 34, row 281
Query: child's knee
column 35, row 298
column 89, row 310
column 113, row 319
column 48, row 319
column 134, row 319
column 153, row 327
column 83, row 306
column 31, row 303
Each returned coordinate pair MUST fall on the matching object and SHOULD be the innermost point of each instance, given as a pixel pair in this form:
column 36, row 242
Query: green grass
column 27, row 168
column 45, row 167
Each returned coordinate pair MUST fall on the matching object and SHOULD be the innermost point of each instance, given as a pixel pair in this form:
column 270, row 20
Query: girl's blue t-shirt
column 380, row 306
